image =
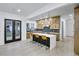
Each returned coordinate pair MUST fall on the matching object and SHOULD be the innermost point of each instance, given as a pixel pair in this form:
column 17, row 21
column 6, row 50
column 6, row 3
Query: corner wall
column 62, row 29
column 68, row 29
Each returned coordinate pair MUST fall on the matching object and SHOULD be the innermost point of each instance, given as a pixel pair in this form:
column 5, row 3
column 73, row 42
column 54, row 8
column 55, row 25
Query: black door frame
column 13, row 31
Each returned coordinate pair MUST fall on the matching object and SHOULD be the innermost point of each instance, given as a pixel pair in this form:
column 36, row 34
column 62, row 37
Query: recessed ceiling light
column 18, row 10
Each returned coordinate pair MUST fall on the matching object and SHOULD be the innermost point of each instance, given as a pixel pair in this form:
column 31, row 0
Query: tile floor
column 29, row 48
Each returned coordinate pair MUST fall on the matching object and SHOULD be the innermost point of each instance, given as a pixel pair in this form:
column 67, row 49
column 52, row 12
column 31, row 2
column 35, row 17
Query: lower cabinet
column 28, row 35
column 42, row 39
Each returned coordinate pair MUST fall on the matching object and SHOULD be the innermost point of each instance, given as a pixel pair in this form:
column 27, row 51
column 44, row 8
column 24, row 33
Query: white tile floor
column 28, row 48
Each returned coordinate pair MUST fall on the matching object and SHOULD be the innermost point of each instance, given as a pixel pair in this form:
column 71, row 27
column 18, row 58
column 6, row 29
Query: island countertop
column 52, row 39
column 45, row 34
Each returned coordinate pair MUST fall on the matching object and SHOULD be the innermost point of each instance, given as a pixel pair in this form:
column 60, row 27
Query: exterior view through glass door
column 9, row 30
column 17, row 30
column 12, row 30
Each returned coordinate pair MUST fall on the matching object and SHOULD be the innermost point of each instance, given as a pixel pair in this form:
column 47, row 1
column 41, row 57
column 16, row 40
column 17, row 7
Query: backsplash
column 51, row 30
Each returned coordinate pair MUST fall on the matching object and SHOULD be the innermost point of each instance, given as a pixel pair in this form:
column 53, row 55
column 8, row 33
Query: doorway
column 12, row 30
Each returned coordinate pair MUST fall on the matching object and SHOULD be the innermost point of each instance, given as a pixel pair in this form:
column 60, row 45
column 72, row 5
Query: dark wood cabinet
column 76, row 30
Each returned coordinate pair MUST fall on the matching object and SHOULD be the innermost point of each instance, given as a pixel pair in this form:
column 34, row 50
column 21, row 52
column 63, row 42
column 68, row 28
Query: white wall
column 69, row 27
column 4, row 15
column 62, row 31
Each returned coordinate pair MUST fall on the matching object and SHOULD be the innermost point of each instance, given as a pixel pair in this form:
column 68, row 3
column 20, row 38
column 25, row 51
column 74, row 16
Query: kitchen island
column 45, row 39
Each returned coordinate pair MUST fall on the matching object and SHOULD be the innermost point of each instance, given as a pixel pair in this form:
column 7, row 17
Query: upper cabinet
column 40, row 24
column 53, row 22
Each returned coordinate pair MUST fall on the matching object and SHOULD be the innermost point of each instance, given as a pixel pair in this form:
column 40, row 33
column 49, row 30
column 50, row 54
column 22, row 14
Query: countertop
column 45, row 34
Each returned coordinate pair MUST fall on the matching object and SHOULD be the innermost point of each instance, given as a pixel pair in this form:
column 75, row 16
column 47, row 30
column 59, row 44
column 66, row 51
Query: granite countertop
column 54, row 33
column 48, row 35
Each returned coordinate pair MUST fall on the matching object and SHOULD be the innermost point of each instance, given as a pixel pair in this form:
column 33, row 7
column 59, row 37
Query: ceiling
column 63, row 10
column 34, row 11
column 26, row 8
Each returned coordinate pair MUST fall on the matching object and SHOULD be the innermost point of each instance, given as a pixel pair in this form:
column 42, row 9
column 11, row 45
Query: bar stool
column 44, row 40
column 37, row 38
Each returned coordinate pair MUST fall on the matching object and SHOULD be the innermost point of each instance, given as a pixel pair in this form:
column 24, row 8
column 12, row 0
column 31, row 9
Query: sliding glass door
column 12, row 30
column 17, row 30
column 9, row 30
